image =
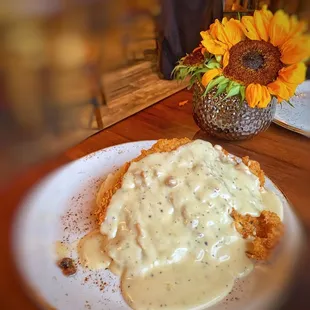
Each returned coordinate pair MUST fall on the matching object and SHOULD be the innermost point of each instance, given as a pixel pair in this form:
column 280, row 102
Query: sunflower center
column 253, row 61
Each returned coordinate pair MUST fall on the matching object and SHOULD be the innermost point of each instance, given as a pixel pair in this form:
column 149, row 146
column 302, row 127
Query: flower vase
column 229, row 118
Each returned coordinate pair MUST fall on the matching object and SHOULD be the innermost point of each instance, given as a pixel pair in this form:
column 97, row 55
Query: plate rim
column 27, row 288
column 291, row 128
column 282, row 123
column 34, row 296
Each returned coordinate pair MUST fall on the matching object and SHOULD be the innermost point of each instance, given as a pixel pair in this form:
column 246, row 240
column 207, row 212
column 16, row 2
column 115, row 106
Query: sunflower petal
column 279, row 89
column 267, row 14
column 213, row 46
column 253, row 94
column 224, row 20
column 279, row 28
column 297, row 27
column 210, row 75
column 248, row 27
column 294, row 74
column 212, row 30
column 291, row 88
column 225, row 59
column 257, row 96
column 261, row 24
column 265, row 97
column 296, row 49
column 204, row 34
column 219, row 32
column 233, row 31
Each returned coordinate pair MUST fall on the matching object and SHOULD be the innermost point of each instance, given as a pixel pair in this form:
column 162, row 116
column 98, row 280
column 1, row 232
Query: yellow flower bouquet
column 256, row 58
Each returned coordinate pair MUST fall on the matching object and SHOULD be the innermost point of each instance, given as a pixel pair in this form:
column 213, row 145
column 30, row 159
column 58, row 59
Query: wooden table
column 284, row 156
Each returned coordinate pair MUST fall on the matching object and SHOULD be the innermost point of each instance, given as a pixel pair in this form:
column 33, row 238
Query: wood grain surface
column 283, row 155
column 131, row 89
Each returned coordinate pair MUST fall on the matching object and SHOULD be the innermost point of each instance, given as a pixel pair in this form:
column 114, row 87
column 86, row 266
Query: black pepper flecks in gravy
column 168, row 232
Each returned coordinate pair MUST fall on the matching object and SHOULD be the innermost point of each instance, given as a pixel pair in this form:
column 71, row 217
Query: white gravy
column 91, row 251
column 168, row 232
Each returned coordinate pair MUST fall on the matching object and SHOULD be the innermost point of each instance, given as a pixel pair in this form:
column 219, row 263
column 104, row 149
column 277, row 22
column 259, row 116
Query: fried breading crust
column 162, row 145
column 255, row 169
column 266, row 229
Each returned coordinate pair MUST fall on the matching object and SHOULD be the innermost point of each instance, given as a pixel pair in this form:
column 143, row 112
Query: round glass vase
column 228, row 118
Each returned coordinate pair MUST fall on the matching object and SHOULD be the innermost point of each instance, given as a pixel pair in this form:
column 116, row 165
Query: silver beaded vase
column 228, row 118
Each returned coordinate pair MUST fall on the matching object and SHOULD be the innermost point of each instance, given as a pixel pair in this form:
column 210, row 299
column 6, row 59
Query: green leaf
column 213, row 83
column 219, row 79
column 233, row 92
column 173, row 72
column 212, row 60
column 176, row 72
column 180, row 72
column 209, row 87
column 218, row 58
column 221, row 88
column 225, row 81
column 178, row 67
column 222, row 85
column 183, row 71
column 242, row 93
column 198, row 73
column 192, row 81
column 202, row 70
column 239, row 16
column 231, row 85
column 213, row 65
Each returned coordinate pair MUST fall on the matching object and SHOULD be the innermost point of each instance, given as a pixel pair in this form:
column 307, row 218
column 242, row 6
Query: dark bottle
column 179, row 28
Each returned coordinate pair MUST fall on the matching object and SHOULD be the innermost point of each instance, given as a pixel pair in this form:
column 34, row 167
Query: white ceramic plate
column 58, row 209
column 296, row 118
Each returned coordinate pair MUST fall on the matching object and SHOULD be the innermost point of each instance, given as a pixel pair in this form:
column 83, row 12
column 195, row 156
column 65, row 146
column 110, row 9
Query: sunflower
column 258, row 57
